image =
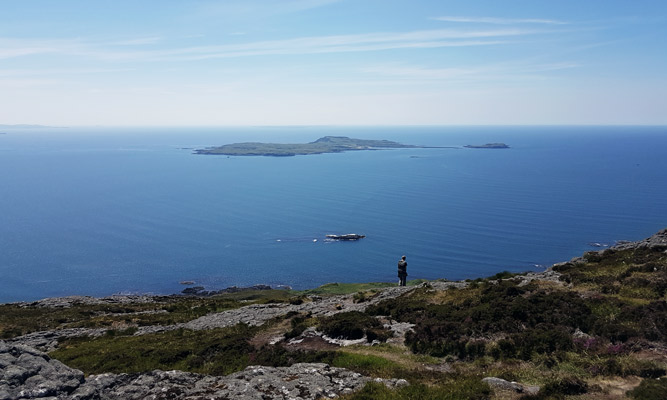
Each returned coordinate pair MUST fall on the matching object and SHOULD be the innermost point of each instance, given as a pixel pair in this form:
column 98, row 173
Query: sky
column 333, row 62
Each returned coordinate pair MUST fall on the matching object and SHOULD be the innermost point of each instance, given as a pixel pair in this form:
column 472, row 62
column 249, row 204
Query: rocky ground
column 253, row 315
column 28, row 372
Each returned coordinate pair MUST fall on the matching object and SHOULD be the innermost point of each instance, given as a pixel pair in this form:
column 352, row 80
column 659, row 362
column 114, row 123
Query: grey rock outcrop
column 253, row 315
column 502, row 384
column 659, row 241
column 48, row 340
column 656, row 242
column 26, row 373
column 69, row 301
column 258, row 314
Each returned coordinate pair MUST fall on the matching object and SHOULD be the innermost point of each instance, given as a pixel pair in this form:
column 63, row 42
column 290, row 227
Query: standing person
column 402, row 271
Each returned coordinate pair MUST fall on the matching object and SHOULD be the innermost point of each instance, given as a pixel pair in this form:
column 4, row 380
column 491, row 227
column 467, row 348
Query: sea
column 99, row 211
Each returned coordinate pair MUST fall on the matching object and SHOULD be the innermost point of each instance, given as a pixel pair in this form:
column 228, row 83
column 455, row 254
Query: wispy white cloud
column 14, row 83
column 258, row 9
column 500, row 21
column 62, row 71
column 301, row 5
column 138, row 41
column 304, row 45
column 498, row 72
column 328, row 44
column 11, row 47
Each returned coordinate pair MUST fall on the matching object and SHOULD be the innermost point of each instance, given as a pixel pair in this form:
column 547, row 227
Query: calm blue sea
column 97, row 211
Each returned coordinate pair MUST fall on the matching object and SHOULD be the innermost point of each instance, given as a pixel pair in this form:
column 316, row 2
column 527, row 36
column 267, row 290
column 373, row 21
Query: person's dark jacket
column 402, row 268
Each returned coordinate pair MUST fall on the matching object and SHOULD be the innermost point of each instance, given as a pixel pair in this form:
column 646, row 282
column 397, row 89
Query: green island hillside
column 327, row 144
column 591, row 328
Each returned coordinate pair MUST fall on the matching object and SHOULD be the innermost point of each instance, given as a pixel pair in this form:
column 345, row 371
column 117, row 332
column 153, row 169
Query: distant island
column 488, row 146
column 327, row 144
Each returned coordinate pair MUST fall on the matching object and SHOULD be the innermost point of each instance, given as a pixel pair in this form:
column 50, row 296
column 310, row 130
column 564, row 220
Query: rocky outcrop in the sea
column 657, row 241
column 201, row 291
column 26, row 373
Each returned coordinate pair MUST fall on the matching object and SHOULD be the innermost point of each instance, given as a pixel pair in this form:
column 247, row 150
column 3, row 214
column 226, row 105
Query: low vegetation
column 650, row 389
column 638, row 276
column 507, row 320
column 20, row 319
column 606, row 320
column 354, row 325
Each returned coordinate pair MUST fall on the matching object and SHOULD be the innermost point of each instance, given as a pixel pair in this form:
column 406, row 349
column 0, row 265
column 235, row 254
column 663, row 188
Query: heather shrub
column 353, row 325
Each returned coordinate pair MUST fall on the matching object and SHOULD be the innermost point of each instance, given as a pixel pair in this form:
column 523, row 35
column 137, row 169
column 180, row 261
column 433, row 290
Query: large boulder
column 28, row 373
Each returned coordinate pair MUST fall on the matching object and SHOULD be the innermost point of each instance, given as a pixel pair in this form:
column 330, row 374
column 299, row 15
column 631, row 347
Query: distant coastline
column 26, row 126
column 487, row 146
column 327, row 144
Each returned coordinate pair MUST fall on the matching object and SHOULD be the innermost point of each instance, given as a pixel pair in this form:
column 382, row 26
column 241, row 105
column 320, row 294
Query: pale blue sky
column 342, row 62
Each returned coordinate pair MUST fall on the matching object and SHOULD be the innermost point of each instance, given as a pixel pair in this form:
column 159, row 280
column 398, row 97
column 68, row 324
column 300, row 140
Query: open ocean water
column 98, row 211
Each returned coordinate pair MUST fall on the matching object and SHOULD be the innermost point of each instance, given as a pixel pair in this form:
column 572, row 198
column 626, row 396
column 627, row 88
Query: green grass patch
column 456, row 388
column 650, row 389
column 350, row 288
column 215, row 352
column 368, row 365
column 346, row 288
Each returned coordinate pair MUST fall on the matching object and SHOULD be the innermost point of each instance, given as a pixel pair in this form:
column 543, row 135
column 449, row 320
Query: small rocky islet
column 591, row 327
